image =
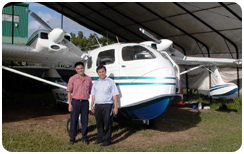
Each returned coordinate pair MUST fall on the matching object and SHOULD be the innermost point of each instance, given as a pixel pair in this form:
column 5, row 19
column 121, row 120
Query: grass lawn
column 181, row 129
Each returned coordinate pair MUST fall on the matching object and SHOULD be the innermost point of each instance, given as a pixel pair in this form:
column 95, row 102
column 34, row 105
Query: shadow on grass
column 177, row 118
column 17, row 110
column 174, row 119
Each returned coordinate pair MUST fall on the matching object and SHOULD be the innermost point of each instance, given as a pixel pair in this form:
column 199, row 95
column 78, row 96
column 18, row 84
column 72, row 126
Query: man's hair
column 79, row 63
column 100, row 67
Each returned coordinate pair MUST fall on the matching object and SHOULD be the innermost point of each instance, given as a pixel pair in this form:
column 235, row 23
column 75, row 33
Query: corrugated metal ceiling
column 197, row 29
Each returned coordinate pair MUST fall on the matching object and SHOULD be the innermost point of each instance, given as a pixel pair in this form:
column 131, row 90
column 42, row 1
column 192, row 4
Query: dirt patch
column 18, row 111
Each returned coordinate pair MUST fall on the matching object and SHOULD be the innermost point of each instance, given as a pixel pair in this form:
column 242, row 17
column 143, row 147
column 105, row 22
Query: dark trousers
column 79, row 107
column 104, row 122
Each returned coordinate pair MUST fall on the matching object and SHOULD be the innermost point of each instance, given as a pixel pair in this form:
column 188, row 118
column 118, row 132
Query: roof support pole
column 12, row 24
column 187, row 87
column 62, row 19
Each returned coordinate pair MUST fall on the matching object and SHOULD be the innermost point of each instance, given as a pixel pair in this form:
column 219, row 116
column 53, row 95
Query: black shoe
column 105, row 144
column 71, row 142
column 96, row 142
column 85, row 142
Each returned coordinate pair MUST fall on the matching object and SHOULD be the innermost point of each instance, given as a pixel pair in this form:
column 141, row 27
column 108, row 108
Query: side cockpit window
column 106, row 57
column 67, row 37
column 136, row 53
column 44, row 35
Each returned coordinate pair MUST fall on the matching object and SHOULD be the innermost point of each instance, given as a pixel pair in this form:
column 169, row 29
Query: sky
column 53, row 19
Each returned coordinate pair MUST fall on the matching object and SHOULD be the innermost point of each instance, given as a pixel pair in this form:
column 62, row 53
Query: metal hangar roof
column 207, row 29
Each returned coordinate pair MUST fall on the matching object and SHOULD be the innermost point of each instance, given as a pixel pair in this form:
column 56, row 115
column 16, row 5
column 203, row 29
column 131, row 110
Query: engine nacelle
column 56, row 35
column 162, row 46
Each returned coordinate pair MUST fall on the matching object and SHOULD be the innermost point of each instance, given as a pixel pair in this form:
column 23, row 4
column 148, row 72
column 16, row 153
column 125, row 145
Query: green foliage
column 9, row 63
column 236, row 104
column 89, row 43
column 232, row 104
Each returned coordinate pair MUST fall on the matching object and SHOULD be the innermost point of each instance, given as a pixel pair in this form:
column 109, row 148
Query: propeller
column 164, row 45
column 37, row 18
column 56, row 36
column 150, row 35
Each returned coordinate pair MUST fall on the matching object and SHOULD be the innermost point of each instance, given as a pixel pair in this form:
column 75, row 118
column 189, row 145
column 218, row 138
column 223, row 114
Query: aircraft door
column 109, row 59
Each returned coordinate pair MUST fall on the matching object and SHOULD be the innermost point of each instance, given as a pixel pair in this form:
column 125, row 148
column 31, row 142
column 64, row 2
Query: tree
column 89, row 43
column 80, row 40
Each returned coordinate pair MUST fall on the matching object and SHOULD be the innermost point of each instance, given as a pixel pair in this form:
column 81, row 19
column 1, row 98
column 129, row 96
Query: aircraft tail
column 222, row 89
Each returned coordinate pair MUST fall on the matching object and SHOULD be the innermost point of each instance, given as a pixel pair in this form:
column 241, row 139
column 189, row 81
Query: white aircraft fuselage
column 145, row 79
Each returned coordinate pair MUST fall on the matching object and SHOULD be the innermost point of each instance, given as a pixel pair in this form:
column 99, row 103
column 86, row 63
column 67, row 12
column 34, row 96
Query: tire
column 149, row 123
column 68, row 126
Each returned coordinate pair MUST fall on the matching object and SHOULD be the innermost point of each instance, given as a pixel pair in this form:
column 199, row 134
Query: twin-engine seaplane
column 147, row 79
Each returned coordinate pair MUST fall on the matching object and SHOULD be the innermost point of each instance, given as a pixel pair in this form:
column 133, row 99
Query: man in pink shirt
column 78, row 92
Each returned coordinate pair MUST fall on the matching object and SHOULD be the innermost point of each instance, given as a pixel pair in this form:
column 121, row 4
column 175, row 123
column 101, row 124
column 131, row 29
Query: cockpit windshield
column 136, row 53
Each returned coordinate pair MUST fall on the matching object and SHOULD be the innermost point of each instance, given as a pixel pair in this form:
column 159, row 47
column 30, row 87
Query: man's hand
column 92, row 104
column 70, row 107
column 92, row 109
column 115, row 111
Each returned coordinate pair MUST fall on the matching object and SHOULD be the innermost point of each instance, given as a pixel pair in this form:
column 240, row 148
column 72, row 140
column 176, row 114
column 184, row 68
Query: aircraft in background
column 49, row 48
column 148, row 80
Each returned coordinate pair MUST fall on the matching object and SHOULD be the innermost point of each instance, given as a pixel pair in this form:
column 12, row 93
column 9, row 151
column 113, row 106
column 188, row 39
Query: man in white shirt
column 104, row 93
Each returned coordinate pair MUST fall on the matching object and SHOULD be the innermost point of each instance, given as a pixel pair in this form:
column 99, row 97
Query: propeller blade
column 37, row 18
column 149, row 35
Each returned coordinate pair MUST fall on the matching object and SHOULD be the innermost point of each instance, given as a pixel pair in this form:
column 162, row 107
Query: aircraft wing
column 22, row 53
column 166, row 45
column 206, row 61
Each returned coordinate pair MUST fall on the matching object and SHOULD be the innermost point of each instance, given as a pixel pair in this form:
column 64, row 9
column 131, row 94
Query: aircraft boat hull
column 146, row 111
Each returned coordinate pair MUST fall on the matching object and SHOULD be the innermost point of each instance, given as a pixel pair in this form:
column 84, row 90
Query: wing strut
column 34, row 77
column 191, row 69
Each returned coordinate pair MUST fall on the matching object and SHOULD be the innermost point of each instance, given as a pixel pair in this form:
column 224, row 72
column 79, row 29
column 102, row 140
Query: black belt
column 79, row 100
column 104, row 104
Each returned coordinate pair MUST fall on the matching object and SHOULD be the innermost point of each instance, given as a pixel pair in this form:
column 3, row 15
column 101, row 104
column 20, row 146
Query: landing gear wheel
column 68, row 126
column 149, row 123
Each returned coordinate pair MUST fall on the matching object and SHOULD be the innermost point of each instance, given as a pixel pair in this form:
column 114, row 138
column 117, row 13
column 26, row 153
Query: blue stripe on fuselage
column 139, row 78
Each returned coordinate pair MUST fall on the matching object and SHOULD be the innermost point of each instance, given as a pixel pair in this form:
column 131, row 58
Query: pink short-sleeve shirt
column 80, row 88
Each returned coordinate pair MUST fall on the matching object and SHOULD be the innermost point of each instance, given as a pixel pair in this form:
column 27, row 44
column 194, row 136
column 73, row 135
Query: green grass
column 189, row 131
column 31, row 127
